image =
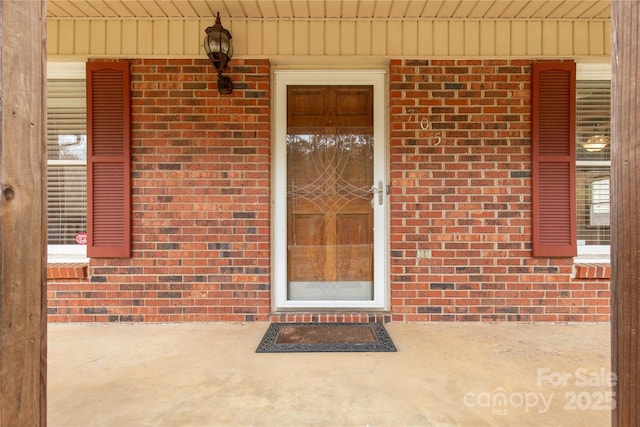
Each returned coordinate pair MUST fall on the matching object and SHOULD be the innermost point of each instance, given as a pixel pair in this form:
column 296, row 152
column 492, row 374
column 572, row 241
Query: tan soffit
column 337, row 28
column 333, row 9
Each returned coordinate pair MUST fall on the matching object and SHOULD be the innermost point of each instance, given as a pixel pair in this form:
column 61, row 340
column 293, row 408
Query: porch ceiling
column 333, row 9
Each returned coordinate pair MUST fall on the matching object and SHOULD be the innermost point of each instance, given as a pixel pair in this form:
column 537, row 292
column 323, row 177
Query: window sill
column 59, row 254
column 62, row 271
column 592, row 271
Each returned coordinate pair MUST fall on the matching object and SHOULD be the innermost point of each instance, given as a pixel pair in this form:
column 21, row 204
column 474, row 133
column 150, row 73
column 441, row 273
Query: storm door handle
column 379, row 190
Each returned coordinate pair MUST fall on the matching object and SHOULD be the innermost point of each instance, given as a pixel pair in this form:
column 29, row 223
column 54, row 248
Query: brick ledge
column 67, row 270
column 331, row 317
column 593, row 271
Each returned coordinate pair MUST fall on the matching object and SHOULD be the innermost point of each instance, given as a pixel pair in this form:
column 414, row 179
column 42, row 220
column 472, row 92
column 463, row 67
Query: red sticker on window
column 81, row 238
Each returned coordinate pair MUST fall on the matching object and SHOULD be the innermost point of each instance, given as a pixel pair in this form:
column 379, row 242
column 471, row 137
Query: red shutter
column 108, row 160
column 554, row 159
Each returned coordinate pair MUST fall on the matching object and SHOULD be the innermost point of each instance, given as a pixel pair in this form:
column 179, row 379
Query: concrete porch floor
column 444, row 374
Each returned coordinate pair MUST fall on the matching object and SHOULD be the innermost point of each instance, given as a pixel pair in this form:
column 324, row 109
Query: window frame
column 593, row 253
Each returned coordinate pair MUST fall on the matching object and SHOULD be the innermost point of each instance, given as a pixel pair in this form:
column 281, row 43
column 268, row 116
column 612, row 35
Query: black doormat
column 325, row 337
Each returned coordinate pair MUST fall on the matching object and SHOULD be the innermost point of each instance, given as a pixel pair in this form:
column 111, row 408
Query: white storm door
column 329, row 217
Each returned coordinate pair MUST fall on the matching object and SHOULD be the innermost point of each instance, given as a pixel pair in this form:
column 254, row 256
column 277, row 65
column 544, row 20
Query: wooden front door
column 329, row 198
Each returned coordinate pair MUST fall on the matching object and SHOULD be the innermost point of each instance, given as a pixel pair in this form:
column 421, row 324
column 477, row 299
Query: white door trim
column 283, row 78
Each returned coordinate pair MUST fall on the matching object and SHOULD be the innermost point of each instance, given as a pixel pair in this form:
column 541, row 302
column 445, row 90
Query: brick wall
column 201, row 199
column 69, row 294
column 461, row 191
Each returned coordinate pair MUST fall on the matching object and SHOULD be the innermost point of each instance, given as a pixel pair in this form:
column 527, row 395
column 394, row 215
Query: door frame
column 282, row 79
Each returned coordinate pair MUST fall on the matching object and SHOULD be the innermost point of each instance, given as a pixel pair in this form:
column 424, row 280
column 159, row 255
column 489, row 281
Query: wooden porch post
column 23, row 214
column 625, row 164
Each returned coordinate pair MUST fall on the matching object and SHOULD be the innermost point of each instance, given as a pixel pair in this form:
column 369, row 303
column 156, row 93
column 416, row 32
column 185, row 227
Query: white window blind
column 66, row 165
column 593, row 168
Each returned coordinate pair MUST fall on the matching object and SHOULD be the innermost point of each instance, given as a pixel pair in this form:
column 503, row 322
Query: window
column 66, row 161
column 593, row 162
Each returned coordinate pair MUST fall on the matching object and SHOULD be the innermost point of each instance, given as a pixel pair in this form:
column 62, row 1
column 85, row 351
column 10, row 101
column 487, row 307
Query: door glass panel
column 329, row 176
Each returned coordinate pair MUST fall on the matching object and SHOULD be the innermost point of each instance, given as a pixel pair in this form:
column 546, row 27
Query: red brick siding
column 69, row 296
column 201, row 204
column 201, row 198
column 461, row 188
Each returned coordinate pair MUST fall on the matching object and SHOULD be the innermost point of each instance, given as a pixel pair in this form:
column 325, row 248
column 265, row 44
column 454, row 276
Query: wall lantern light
column 217, row 44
